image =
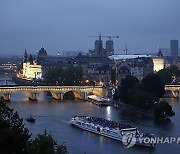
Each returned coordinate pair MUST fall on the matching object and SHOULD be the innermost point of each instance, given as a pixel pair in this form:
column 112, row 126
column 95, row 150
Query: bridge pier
column 175, row 93
column 57, row 95
column 33, row 96
column 7, row 96
column 84, row 95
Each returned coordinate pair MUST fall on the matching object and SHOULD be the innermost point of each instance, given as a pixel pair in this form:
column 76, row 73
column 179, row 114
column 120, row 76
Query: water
column 54, row 116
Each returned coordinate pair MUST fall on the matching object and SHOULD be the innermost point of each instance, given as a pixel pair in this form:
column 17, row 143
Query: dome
column 42, row 52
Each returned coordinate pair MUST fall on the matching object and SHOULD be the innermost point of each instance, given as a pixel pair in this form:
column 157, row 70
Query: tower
column 109, row 48
column 174, row 48
column 99, row 47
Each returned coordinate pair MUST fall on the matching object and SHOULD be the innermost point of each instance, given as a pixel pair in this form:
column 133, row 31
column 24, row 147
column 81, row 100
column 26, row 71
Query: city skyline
column 144, row 26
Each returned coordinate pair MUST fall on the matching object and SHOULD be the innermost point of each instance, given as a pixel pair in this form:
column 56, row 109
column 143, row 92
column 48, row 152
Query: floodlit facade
column 158, row 64
column 32, row 70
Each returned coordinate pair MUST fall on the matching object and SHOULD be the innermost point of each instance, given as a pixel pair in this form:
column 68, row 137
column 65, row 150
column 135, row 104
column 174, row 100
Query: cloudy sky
column 63, row 25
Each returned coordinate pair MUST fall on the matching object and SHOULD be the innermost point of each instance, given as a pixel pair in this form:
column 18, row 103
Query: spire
column 160, row 53
column 100, row 37
column 30, row 59
column 25, row 58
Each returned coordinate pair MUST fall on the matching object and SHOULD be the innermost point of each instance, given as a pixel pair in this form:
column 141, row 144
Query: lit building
column 158, row 62
column 31, row 70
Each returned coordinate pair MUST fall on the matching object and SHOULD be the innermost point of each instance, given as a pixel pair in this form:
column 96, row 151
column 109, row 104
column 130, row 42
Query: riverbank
column 136, row 110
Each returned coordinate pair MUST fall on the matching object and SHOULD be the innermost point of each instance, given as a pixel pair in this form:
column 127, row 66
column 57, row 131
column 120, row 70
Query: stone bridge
column 174, row 89
column 57, row 92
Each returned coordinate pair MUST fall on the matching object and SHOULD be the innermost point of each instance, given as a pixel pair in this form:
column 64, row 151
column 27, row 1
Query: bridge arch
column 76, row 94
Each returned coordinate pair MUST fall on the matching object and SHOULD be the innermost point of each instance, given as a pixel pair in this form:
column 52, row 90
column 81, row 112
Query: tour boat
column 110, row 129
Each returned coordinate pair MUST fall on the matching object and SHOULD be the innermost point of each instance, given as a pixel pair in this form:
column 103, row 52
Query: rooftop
column 117, row 57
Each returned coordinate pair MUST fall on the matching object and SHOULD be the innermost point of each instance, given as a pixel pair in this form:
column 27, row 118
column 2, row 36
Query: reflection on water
column 54, row 116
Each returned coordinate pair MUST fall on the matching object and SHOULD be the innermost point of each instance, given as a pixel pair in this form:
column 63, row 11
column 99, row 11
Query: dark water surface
column 54, row 116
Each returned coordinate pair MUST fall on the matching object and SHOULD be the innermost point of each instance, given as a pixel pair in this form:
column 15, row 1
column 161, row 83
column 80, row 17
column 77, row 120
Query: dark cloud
column 66, row 24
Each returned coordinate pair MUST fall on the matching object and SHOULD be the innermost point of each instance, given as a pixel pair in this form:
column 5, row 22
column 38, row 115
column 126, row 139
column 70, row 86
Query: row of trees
column 169, row 75
column 70, row 76
column 15, row 137
column 144, row 94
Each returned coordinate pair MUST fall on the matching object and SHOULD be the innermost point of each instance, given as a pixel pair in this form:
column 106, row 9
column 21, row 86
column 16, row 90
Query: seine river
column 54, row 116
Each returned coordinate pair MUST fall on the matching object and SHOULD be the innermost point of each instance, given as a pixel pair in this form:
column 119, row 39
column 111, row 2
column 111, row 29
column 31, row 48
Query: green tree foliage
column 13, row 134
column 45, row 144
column 127, row 87
column 175, row 70
column 15, row 138
column 163, row 110
column 142, row 99
column 154, row 85
column 69, row 76
column 165, row 76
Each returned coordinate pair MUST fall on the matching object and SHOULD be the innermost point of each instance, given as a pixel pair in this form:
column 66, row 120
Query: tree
column 69, row 76
column 45, row 144
column 13, row 134
column 154, row 85
column 54, row 75
column 142, row 99
column 165, row 76
column 126, row 88
column 175, row 70
column 163, row 110
column 15, row 138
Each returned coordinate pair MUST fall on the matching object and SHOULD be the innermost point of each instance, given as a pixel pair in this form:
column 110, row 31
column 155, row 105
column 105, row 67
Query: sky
column 65, row 25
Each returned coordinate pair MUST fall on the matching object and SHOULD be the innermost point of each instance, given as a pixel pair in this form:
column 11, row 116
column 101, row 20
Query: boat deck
column 104, row 122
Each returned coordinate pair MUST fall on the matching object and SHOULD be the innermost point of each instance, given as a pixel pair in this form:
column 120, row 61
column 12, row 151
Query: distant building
column 174, row 48
column 122, row 70
column 101, row 74
column 99, row 51
column 71, row 53
column 136, row 65
column 42, row 53
column 158, row 62
column 31, row 70
column 109, row 48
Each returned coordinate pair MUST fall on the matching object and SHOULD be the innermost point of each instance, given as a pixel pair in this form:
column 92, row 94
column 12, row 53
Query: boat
column 99, row 101
column 111, row 129
column 30, row 119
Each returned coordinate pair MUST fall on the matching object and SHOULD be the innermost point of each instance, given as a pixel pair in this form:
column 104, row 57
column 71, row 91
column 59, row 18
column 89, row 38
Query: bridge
column 174, row 89
column 57, row 92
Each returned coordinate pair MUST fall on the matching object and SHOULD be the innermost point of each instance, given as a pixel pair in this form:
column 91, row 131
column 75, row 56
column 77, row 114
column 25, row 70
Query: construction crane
column 105, row 36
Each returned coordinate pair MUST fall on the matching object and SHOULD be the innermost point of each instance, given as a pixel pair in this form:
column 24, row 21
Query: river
column 54, row 116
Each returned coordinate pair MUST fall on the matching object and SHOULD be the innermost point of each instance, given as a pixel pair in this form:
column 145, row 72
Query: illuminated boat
column 112, row 129
column 100, row 101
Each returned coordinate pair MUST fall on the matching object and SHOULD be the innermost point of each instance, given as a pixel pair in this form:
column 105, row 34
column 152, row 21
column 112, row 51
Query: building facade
column 174, row 48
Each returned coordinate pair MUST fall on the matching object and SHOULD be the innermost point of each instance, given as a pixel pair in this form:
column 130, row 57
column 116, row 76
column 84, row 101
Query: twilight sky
column 63, row 25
